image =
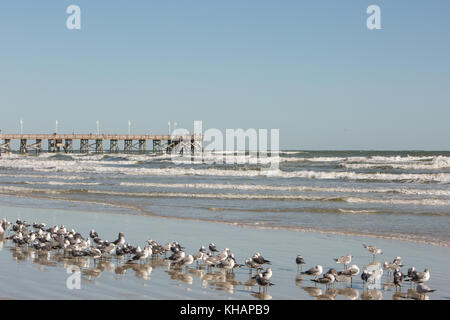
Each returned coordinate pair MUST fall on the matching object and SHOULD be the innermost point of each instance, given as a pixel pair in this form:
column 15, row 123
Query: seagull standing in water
column 373, row 250
column 398, row 261
column 314, row 271
column 141, row 256
column 345, row 260
column 258, row 258
column 212, row 247
column 227, row 264
column 367, row 277
column 390, row 267
column 185, row 262
column 177, row 256
column 420, row 277
column 300, row 262
column 350, row 272
column 398, row 279
column 252, row 265
column 120, row 240
column 262, row 282
column 4, row 226
column 266, row 274
column 327, row 279
column 198, row 256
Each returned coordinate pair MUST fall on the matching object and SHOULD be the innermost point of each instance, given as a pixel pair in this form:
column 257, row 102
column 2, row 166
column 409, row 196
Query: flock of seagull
column 73, row 244
column 370, row 276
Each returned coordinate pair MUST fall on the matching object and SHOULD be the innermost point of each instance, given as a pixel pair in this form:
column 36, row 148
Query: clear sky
column 310, row 68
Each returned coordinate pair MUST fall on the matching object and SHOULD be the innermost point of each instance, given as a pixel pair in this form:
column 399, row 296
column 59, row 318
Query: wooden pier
column 33, row 143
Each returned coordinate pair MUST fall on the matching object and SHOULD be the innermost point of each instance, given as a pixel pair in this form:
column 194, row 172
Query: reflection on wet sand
column 374, row 294
column 313, row 291
column 298, row 280
column 216, row 279
column 349, row 293
column 220, row 280
column 261, row 295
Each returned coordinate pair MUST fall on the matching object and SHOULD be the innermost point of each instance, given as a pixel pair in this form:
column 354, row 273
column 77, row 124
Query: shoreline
column 280, row 246
column 141, row 211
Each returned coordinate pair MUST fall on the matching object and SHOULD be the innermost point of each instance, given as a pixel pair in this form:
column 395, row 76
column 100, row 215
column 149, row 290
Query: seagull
column 327, row 279
column 411, row 271
column 223, row 255
column 350, row 272
column 210, row 260
column 120, row 240
column 176, row 247
column 398, row 261
column 166, row 248
column 95, row 253
column 390, row 267
column 227, row 264
column 262, row 282
column 198, row 256
column 345, row 260
column 367, row 276
column 266, row 274
column 398, row 279
column 108, row 247
column 373, row 250
column 252, row 264
column 212, row 247
column 421, row 277
column 141, row 256
column 333, row 272
column 299, row 261
column 259, row 259
column 314, row 271
column 4, row 226
column 120, row 251
column 186, row 261
column 177, row 256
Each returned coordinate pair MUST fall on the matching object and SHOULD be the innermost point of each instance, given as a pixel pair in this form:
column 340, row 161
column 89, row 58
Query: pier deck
column 95, row 143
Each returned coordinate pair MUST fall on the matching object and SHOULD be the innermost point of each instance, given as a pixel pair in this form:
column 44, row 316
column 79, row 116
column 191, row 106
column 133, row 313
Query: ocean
column 402, row 195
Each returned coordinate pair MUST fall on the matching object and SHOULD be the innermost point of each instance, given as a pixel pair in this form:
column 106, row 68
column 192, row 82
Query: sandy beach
column 27, row 275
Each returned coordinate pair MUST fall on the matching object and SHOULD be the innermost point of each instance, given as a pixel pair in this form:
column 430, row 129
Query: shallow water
column 25, row 274
column 398, row 194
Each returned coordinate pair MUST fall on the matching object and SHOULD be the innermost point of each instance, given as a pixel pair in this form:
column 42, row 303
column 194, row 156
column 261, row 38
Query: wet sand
column 27, row 275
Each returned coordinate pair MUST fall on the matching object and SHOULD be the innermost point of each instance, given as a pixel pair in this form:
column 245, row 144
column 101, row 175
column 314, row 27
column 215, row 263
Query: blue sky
column 310, row 68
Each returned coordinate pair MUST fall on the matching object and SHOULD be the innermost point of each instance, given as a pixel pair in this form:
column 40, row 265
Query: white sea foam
column 259, row 187
column 436, row 163
column 41, row 176
column 232, row 196
column 62, row 183
column 104, row 168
